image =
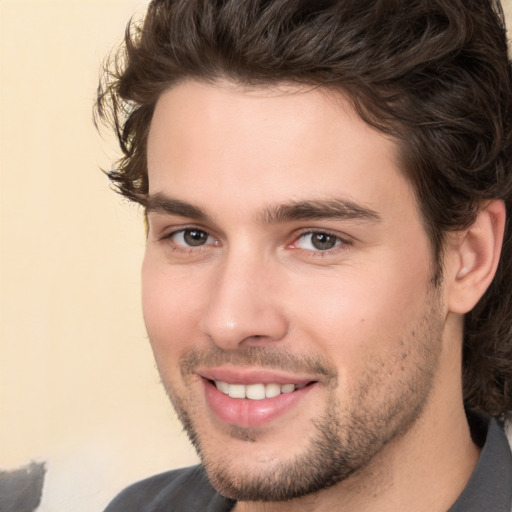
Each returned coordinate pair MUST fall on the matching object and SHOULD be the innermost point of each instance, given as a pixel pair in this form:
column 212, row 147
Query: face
column 286, row 286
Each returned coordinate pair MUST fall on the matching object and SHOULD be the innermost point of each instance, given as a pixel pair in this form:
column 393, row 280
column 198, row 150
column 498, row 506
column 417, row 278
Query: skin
column 362, row 320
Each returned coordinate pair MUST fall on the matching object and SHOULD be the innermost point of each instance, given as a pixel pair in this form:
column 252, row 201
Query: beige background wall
column 78, row 387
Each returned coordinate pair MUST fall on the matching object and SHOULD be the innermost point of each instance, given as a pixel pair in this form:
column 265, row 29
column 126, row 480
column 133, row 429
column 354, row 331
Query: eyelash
column 340, row 243
column 182, row 246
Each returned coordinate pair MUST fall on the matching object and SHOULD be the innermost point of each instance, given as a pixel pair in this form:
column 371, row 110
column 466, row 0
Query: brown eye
column 195, row 237
column 191, row 237
column 323, row 241
column 318, row 241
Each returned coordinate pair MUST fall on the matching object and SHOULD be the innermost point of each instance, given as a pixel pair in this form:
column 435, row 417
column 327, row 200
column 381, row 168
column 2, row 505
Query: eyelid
column 167, row 231
column 175, row 230
column 342, row 241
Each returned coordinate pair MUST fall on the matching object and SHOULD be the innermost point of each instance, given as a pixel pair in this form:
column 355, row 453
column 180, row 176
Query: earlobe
column 475, row 258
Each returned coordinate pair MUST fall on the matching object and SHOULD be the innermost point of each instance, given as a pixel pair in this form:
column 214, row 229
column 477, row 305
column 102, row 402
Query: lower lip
column 251, row 413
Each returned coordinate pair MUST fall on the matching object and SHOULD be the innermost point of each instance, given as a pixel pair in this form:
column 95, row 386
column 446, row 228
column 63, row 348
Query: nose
column 244, row 308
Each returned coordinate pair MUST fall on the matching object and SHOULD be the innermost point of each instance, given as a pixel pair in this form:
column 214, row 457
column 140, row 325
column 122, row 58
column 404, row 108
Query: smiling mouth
column 258, row 391
column 253, row 399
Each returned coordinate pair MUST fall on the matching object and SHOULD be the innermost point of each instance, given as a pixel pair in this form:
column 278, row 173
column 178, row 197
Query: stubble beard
column 345, row 438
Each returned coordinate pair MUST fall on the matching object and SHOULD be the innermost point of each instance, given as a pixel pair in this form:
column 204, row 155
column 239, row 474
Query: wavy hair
column 434, row 74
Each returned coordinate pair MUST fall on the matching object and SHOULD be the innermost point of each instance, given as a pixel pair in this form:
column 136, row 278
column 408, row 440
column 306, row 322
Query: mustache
column 270, row 358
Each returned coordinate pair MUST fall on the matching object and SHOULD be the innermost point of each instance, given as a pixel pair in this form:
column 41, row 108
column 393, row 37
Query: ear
column 474, row 257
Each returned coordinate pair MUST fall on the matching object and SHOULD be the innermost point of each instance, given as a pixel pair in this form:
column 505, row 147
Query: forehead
column 221, row 142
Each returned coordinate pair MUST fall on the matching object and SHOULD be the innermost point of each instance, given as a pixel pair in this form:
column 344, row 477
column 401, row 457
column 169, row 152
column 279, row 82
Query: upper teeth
column 255, row 391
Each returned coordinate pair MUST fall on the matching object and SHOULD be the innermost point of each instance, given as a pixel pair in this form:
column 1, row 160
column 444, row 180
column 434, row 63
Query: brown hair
column 433, row 73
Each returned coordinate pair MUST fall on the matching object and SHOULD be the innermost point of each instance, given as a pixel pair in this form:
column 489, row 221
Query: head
column 430, row 86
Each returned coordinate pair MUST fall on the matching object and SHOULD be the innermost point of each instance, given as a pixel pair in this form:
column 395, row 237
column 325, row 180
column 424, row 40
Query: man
column 326, row 186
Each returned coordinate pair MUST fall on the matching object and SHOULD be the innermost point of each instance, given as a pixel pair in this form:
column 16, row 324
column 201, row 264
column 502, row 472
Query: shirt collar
column 490, row 487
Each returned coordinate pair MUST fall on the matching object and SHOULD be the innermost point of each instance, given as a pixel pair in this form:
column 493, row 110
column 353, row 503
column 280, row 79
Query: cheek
column 362, row 314
column 170, row 307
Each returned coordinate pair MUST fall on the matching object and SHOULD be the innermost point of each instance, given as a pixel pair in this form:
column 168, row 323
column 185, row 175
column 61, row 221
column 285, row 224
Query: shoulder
column 178, row 490
column 507, row 427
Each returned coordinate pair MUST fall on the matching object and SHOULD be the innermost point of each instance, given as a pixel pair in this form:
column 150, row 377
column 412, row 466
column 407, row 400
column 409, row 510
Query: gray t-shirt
column 189, row 490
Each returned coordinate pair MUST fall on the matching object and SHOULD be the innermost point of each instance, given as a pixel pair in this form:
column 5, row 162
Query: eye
column 317, row 241
column 191, row 237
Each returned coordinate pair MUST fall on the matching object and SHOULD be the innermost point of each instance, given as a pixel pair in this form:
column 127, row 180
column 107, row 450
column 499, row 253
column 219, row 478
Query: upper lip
column 248, row 376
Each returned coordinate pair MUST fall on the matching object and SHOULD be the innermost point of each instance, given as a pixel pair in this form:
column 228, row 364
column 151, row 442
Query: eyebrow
column 274, row 214
column 161, row 203
column 319, row 210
